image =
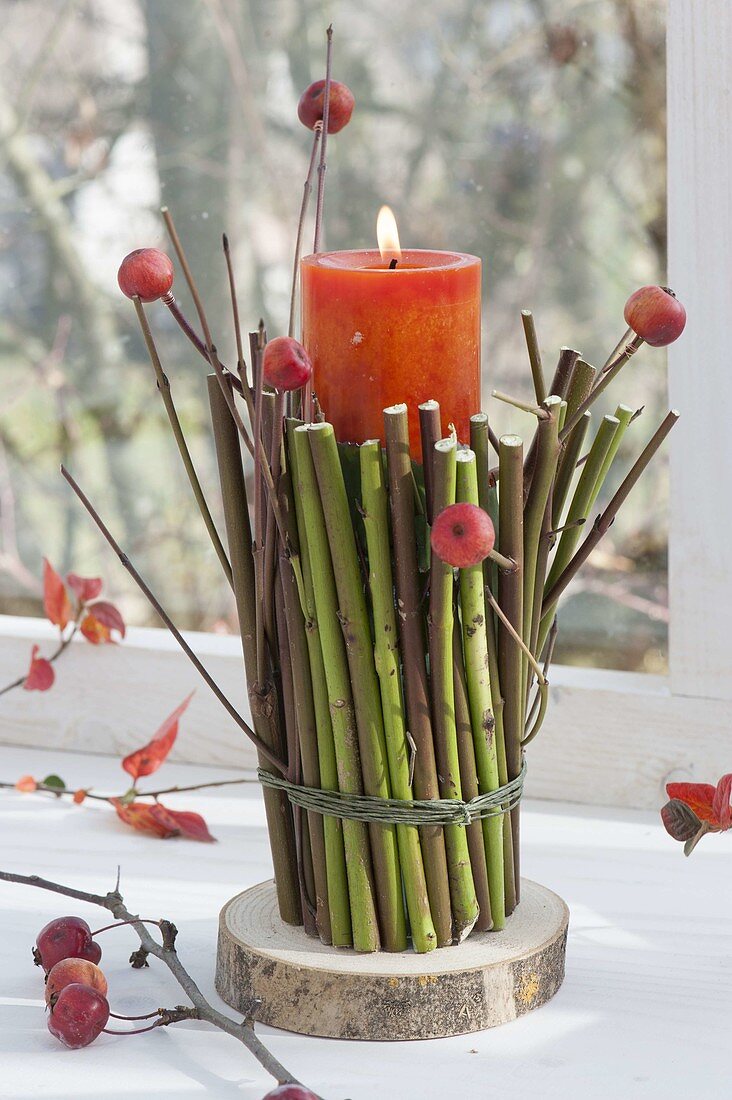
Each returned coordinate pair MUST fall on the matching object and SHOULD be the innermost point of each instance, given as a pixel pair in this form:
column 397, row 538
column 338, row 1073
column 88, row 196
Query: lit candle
column 390, row 326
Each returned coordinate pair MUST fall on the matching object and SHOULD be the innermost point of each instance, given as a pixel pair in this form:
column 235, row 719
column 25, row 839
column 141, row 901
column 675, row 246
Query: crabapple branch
column 166, row 952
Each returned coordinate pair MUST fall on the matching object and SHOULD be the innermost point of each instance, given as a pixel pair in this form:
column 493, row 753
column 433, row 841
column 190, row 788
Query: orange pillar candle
column 380, row 335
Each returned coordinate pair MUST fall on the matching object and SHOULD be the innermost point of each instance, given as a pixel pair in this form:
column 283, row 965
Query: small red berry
column 290, row 1092
column 78, row 1016
column 462, row 535
column 26, row 783
column 656, row 315
column 74, row 972
column 286, row 364
column 147, row 272
column 312, row 101
column 65, row 938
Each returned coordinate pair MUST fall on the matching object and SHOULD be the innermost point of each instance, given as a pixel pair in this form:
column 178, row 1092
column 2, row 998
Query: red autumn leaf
column 56, row 602
column 94, row 631
column 721, row 805
column 107, row 614
column 183, row 823
column 153, row 817
column 698, row 796
column 148, row 759
column 85, row 588
column 26, row 783
column 40, row 674
column 139, row 815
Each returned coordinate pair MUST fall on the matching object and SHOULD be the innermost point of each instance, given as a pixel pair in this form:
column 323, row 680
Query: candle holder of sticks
column 398, row 622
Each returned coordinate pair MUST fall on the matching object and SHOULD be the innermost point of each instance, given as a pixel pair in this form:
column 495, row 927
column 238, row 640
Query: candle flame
column 387, row 235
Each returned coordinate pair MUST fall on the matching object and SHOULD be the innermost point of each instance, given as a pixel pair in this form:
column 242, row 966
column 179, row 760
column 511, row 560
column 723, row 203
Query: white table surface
column 644, row 1010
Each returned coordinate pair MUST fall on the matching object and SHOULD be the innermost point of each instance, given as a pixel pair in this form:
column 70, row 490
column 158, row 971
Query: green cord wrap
column 364, row 807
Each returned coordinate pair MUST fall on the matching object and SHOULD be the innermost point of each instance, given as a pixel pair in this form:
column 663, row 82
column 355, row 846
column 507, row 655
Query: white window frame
column 611, row 738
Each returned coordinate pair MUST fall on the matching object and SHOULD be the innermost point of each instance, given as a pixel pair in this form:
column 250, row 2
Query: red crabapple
column 74, row 972
column 656, row 315
column 78, row 1016
column 286, row 364
column 147, row 272
column 312, row 101
column 462, row 535
column 65, row 938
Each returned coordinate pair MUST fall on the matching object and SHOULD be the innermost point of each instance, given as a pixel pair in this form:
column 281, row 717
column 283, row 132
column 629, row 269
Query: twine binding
column 396, row 811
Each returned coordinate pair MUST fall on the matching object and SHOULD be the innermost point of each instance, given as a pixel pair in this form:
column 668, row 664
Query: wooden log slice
column 299, row 984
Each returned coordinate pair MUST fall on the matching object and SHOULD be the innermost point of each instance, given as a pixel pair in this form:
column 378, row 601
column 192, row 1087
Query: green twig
column 462, row 887
column 475, row 645
column 388, row 666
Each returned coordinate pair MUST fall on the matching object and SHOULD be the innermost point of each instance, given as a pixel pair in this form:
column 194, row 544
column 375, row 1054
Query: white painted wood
column 641, row 1014
column 110, row 698
column 610, row 738
column 700, row 374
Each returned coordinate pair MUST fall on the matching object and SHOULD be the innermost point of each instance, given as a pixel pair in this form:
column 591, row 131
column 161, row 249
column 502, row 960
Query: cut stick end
column 445, row 445
column 479, row 418
column 511, row 441
column 465, row 455
column 396, row 410
column 427, row 406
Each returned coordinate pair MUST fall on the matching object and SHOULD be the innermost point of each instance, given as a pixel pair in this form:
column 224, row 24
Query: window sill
column 610, row 738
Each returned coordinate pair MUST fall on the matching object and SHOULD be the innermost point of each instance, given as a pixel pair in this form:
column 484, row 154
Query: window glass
column 532, row 134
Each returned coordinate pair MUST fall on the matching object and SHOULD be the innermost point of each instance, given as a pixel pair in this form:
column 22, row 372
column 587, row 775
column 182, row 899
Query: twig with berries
column 163, row 949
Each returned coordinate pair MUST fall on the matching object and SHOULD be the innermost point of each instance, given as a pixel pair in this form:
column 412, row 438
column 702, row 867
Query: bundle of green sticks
column 397, row 619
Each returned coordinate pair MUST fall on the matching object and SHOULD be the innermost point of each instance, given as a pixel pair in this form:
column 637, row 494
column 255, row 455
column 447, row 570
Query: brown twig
column 166, row 952
column 240, row 362
column 532, row 345
column 163, row 385
column 155, row 603
column 601, row 382
column 306, row 192
column 430, row 429
column 183, row 323
column 526, row 406
column 411, row 641
column 603, row 521
column 59, row 792
column 322, row 165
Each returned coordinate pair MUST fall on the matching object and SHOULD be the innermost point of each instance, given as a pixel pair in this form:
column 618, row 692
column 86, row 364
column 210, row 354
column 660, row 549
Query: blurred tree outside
column 530, row 132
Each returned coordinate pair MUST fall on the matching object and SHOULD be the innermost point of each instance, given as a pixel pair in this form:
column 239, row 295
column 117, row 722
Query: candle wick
column 392, row 263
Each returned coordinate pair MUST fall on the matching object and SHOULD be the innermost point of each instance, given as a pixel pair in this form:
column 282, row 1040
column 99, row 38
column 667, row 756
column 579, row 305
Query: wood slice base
column 303, row 986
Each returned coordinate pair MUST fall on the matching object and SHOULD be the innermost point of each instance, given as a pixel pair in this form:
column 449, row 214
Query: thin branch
column 163, row 384
column 603, row 521
column 526, row 406
column 184, row 324
column 59, row 792
column 155, row 603
column 306, row 192
column 241, row 365
column 532, row 345
column 602, row 381
column 166, row 952
column 324, row 141
column 515, row 635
